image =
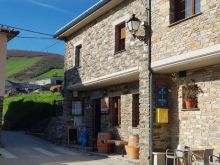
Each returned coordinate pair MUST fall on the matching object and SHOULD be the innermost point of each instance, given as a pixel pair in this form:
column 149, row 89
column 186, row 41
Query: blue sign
column 161, row 96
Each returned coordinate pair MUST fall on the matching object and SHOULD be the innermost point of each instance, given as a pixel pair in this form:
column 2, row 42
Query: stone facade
column 99, row 59
column 168, row 40
column 197, row 32
column 195, row 128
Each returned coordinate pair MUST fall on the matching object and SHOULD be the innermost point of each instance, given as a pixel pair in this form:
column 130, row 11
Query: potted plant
column 190, row 90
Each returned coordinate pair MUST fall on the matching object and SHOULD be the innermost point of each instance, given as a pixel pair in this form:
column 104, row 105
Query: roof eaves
column 82, row 16
column 11, row 33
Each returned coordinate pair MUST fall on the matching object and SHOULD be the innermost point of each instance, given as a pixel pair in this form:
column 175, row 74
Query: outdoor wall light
column 133, row 25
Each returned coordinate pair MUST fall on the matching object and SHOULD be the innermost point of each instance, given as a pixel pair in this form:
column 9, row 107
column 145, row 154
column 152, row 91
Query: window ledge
column 191, row 109
column 118, row 52
column 182, row 20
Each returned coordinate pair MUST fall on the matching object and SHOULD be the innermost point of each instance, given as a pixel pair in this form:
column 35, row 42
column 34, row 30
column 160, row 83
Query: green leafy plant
column 190, row 88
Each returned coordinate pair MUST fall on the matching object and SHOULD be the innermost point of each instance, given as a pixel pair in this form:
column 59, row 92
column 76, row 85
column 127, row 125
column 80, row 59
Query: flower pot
column 190, row 103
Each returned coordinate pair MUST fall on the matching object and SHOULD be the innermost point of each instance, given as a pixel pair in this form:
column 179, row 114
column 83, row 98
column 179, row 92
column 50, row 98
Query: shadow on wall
column 24, row 115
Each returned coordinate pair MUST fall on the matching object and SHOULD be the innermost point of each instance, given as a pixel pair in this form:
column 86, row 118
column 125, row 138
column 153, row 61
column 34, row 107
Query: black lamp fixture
column 133, row 25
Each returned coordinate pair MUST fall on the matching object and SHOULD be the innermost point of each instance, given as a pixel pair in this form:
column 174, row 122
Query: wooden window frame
column 120, row 37
column 78, row 54
column 177, row 12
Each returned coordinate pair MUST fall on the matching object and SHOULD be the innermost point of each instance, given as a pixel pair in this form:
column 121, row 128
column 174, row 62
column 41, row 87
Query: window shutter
column 122, row 31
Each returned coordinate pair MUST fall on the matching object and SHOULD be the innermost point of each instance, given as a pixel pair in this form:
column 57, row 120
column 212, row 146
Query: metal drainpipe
column 150, row 84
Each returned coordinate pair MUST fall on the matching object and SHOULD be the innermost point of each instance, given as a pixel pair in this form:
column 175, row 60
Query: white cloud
column 45, row 5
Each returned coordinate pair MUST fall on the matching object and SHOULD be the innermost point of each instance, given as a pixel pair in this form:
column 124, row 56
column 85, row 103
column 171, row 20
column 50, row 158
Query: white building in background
column 6, row 34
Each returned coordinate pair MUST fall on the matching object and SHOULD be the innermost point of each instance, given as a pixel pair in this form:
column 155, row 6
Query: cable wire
column 27, row 30
column 50, row 46
column 38, row 38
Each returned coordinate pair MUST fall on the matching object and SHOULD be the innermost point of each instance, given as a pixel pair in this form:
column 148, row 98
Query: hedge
column 23, row 111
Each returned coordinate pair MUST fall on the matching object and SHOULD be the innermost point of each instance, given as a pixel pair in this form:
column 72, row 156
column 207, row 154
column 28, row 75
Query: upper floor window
column 120, row 37
column 185, row 8
column 78, row 53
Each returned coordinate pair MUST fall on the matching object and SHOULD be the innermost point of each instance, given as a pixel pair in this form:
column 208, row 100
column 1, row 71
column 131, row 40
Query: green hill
column 27, row 65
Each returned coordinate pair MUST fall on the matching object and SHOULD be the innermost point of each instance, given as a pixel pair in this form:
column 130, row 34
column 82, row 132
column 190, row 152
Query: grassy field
column 15, row 65
column 51, row 73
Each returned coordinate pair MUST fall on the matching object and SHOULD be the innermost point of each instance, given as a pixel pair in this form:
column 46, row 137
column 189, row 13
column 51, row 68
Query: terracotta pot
column 190, row 103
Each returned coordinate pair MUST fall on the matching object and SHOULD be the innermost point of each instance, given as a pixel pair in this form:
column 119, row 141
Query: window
column 115, row 103
column 78, row 56
column 77, row 109
column 135, row 110
column 120, row 38
column 185, row 8
column 190, row 96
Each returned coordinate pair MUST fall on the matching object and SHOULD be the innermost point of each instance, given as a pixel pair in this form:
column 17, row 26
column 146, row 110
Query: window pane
column 197, row 6
column 188, row 8
column 120, row 36
column 77, row 56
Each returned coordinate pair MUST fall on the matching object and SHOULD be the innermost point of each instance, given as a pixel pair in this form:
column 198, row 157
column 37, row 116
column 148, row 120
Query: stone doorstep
column 118, row 157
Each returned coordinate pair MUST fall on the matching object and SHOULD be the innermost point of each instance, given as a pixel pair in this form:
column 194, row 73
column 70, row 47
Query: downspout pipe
column 150, row 72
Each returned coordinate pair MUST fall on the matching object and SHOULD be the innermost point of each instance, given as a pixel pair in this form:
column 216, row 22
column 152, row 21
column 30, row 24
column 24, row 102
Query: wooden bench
column 119, row 143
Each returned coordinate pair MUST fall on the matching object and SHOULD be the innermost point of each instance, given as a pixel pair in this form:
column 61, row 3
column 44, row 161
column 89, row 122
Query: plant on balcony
column 190, row 90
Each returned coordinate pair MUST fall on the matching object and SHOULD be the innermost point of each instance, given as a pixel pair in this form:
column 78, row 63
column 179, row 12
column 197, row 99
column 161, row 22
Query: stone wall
column 191, row 34
column 98, row 45
column 1, row 110
column 198, row 128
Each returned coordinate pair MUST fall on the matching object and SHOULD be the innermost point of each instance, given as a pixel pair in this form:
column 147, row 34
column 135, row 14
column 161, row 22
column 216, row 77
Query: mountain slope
column 26, row 65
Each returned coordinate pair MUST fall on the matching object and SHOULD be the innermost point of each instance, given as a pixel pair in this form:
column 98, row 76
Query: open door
column 96, row 119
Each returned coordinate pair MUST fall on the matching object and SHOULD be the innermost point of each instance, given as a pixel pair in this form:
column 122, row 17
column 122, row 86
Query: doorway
column 96, row 119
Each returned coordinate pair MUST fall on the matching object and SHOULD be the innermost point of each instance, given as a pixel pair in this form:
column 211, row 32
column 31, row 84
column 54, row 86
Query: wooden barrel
column 133, row 152
column 133, row 146
column 102, row 147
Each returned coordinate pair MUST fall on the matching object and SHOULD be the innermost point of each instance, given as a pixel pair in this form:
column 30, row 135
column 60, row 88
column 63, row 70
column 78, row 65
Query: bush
column 23, row 111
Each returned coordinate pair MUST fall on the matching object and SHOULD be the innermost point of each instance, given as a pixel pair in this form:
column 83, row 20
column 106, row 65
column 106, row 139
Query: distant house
column 6, row 34
column 12, row 88
column 49, row 81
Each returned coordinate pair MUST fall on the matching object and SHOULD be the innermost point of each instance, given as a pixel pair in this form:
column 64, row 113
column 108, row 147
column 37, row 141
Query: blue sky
column 45, row 16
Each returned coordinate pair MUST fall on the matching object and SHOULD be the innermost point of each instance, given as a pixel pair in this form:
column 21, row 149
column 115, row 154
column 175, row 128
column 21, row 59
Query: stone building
column 188, row 42
column 6, row 35
column 105, row 63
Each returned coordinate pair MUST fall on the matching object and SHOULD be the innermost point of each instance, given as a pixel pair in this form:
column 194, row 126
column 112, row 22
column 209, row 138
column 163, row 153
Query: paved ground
column 21, row 149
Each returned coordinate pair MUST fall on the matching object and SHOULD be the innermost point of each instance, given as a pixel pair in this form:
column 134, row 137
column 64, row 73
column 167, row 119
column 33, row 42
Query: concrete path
column 22, row 149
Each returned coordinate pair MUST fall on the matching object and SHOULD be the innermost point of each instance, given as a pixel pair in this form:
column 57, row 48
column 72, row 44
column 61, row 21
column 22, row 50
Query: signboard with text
column 162, row 96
